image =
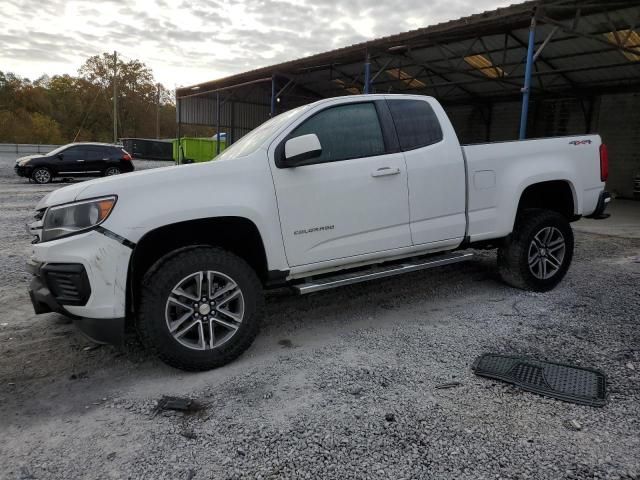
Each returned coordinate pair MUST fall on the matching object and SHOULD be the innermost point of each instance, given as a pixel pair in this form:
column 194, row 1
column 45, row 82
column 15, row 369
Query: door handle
column 80, row 160
column 381, row 172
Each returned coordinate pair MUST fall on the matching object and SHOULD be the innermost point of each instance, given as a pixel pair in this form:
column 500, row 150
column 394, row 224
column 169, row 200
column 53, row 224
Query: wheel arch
column 557, row 195
column 238, row 235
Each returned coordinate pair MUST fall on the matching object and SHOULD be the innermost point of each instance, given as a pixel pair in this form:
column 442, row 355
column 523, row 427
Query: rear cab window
column 416, row 123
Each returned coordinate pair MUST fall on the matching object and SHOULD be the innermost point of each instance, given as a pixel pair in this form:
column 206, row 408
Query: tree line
column 66, row 108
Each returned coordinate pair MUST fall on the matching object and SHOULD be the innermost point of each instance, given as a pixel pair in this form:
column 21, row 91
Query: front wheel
column 537, row 255
column 41, row 175
column 200, row 308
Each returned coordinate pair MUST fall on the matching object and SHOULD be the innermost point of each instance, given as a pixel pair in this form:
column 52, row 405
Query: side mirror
column 60, row 156
column 299, row 149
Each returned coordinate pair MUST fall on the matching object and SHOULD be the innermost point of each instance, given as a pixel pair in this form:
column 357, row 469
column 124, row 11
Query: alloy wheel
column 204, row 310
column 546, row 253
column 42, row 176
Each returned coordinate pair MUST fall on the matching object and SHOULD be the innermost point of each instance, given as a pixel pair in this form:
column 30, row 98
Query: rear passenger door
column 97, row 159
column 435, row 169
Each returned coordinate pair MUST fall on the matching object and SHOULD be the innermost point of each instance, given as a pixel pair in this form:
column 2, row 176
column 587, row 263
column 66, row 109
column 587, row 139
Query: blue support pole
column 367, row 74
column 526, row 90
column 273, row 95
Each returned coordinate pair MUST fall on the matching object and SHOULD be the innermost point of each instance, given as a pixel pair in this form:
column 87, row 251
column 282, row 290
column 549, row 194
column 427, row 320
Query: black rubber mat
column 583, row 386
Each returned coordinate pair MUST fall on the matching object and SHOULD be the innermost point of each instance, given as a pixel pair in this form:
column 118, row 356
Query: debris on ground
column 190, row 434
column 443, row 386
column 574, row 425
column 79, row 375
column 179, row 404
column 570, row 383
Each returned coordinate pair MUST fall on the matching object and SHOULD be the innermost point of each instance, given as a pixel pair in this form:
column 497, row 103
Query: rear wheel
column 538, row 253
column 200, row 308
column 41, row 175
column 111, row 171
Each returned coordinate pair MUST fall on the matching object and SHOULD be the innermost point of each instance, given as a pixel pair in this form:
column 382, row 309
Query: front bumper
column 603, row 202
column 22, row 171
column 83, row 277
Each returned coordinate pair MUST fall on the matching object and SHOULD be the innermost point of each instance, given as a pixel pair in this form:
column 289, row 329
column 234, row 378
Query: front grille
column 68, row 283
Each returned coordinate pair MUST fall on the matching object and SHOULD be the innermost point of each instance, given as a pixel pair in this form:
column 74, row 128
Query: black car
column 75, row 160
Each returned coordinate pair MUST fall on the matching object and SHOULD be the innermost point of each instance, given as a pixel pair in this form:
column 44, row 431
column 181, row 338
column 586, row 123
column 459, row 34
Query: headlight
column 72, row 218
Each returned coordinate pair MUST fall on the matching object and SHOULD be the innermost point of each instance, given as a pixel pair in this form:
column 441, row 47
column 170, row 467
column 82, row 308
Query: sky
column 187, row 42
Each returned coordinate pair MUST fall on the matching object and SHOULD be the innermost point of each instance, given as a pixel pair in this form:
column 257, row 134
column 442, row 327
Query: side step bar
column 380, row 272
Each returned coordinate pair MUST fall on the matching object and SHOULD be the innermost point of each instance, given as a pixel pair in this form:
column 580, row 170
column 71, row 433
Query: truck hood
column 154, row 179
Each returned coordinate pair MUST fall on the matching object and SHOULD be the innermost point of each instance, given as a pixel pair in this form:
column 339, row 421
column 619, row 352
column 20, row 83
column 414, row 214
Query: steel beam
column 218, row 123
column 367, row 74
column 527, row 79
column 273, row 95
column 179, row 108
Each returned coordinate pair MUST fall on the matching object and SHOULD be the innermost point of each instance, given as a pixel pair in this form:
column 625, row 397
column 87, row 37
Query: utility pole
column 115, row 92
column 158, row 112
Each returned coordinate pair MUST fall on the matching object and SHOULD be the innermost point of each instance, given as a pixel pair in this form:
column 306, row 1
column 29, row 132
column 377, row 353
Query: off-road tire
column 513, row 255
column 41, row 175
column 157, row 285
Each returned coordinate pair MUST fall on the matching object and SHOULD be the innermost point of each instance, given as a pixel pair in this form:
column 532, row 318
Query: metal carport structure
column 536, row 68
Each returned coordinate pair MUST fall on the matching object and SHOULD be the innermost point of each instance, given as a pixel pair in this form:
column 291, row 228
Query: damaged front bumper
column 83, row 277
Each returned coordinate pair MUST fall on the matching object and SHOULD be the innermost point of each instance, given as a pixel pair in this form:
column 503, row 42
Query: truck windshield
column 256, row 137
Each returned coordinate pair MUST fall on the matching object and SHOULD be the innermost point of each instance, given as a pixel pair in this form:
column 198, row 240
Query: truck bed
column 498, row 172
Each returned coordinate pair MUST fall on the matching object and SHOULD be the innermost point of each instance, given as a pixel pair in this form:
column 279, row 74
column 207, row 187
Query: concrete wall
column 615, row 117
column 619, row 124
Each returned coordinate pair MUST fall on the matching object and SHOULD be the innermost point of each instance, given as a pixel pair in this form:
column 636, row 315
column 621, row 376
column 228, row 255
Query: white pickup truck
column 343, row 190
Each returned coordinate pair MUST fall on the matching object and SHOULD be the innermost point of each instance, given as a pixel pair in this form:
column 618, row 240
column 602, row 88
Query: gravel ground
column 340, row 384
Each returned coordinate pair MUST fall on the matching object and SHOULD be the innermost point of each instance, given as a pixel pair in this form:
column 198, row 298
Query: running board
column 379, row 272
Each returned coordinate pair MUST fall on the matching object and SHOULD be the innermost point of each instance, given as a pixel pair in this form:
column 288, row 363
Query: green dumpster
column 196, row 149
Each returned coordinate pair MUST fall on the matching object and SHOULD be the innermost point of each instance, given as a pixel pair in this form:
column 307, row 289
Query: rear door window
column 416, row 123
column 97, row 153
column 345, row 132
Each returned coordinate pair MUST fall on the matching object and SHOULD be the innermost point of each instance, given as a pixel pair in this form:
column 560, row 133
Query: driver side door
column 71, row 161
column 350, row 200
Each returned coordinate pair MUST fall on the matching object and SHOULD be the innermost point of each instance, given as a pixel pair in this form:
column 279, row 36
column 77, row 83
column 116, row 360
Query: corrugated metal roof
column 577, row 59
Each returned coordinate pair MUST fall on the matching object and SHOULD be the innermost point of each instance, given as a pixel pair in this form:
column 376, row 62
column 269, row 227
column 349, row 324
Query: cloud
column 192, row 41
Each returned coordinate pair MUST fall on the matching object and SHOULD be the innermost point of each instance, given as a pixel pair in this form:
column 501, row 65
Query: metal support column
column 526, row 90
column 179, row 109
column 367, row 74
column 231, row 136
column 218, row 123
column 273, row 95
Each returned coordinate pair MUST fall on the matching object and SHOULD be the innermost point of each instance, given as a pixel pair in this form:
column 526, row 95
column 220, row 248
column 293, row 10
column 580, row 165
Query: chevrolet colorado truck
column 340, row 191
